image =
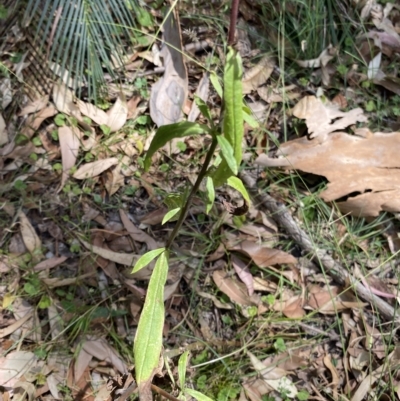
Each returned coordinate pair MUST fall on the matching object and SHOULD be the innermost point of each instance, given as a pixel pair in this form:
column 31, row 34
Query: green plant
column 228, row 135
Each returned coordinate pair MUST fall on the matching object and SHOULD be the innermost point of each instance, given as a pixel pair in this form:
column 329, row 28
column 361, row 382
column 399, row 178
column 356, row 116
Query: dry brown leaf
column 90, row 170
column 258, row 75
column 29, row 236
column 132, row 107
column 99, row 116
column 3, row 131
column 235, row 290
column 277, row 95
column 319, row 117
column 242, row 270
column 121, row 258
column 136, row 233
column 114, row 180
column 69, row 146
column 368, row 164
column 330, row 302
column 169, row 93
column 34, row 106
column 275, row 377
column 293, row 308
column 263, row 256
column 34, row 121
column 50, row 263
column 118, row 114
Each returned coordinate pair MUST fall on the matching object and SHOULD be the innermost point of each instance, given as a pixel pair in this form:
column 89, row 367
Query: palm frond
column 81, row 39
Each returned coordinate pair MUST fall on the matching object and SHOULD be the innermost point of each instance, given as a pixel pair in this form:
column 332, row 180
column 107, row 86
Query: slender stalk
column 232, row 25
column 195, row 188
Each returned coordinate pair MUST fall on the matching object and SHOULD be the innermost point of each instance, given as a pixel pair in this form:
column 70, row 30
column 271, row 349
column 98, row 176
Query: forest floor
column 296, row 299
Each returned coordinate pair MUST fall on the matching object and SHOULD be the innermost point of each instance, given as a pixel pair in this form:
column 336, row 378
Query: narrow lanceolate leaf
column 233, row 115
column 215, row 83
column 182, row 365
column 146, row 259
column 210, row 194
column 237, row 184
column 227, row 153
column 197, row 395
column 148, row 339
column 168, row 132
column 170, row 215
column 233, row 119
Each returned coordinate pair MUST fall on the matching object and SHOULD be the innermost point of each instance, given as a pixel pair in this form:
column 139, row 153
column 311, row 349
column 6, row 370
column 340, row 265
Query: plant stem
column 195, row 188
column 232, row 25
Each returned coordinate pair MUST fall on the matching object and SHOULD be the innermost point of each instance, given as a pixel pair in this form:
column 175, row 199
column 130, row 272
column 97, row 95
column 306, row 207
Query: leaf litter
column 251, row 272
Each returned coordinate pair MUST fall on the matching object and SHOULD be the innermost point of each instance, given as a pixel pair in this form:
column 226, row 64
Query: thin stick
column 337, row 271
column 195, row 188
column 163, row 393
column 232, row 26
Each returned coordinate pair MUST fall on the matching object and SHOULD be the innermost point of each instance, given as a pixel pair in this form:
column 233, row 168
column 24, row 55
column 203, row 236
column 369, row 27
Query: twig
column 337, row 271
column 163, row 393
column 232, row 25
column 188, row 202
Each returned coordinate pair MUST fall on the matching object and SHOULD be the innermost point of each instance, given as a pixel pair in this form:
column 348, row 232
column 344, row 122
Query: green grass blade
column 196, row 394
column 148, row 339
column 168, row 132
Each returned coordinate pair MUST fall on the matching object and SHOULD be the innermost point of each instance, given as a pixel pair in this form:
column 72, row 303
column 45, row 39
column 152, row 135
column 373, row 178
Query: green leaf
column 170, row 215
column 248, row 117
column 168, row 132
column 237, row 184
column 205, row 111
column 215, row 83
column 147, row 258
column 148, row 339
column 233, row 114
column 227, row 153
column 233, row 118
column 144, row 17
column 210, row 194
column 196, row 394
column 182, row 364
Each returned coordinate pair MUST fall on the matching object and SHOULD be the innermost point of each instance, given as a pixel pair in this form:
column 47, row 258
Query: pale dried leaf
column 319, row 117
column 136, row 233
column 34, row 106
column 15, row 326
column 34, row 121
column 90, row 170
column 202, row 92
column 242, row 270
column 3, row 131
column 14, row 365
column 64, row 101
column 69, row 146
column 29, row 236
column 99, row 116
column 114, row 180
column 81, row 363
column 126, row 259
column 293, row 308
column 277, row 95
column 132, row 104
column 50, row 263
column 103, row 351
column 321, row 61
column 235, row 290
column 259, row 74
column 118, row 114
column 169, row 93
